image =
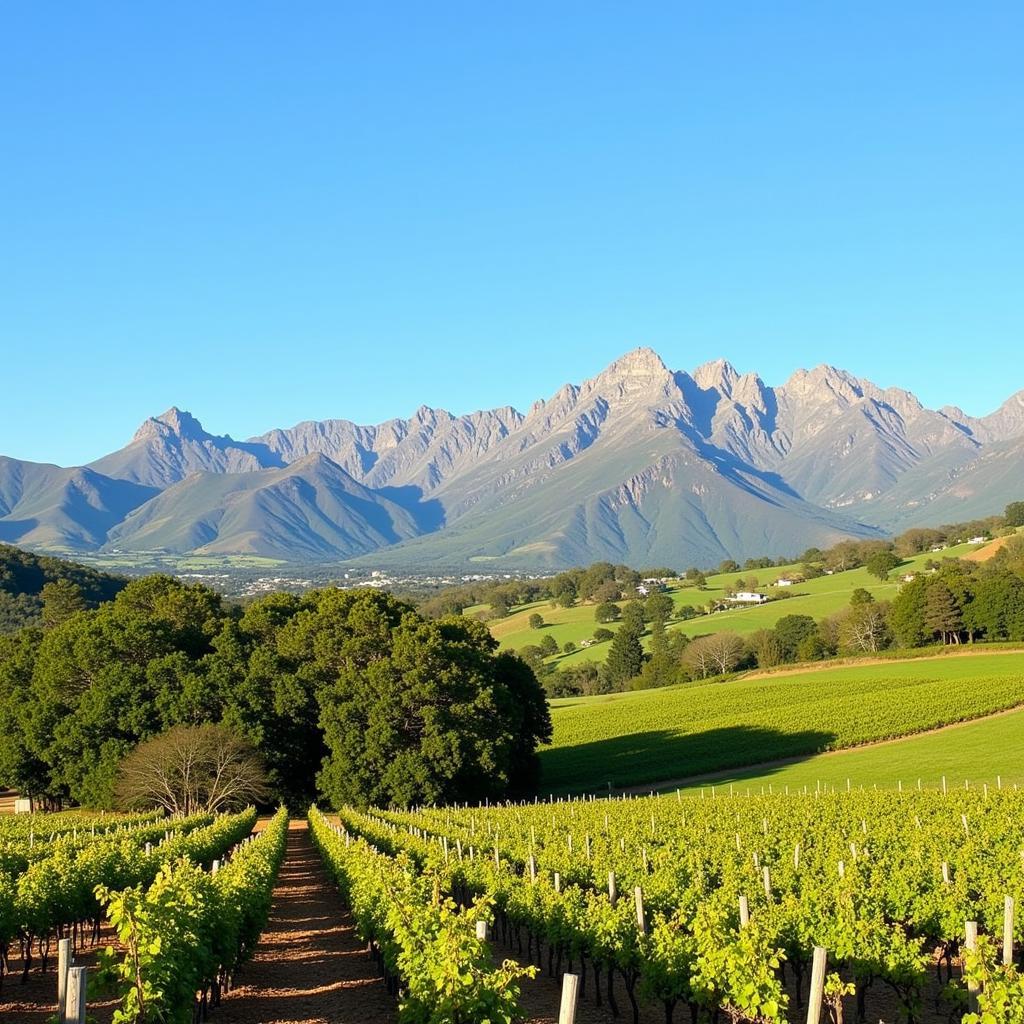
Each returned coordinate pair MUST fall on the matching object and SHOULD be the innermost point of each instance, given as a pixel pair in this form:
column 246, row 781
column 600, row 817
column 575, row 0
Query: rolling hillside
column 652, row 735
column 818, row 598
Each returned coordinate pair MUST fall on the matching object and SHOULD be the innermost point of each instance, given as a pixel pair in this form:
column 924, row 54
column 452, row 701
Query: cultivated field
column 651, row 735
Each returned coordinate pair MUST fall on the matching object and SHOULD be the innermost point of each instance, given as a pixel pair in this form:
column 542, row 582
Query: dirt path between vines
column 309, row 966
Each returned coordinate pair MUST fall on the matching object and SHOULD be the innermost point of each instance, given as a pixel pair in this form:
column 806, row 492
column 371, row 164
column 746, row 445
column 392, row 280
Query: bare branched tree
column 713, row 655
column 193, row 768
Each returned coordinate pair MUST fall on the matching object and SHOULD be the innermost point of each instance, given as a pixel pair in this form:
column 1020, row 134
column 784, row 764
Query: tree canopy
column 438, row 704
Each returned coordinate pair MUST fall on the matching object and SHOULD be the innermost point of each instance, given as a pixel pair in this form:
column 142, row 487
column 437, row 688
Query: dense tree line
column 350, row 694
column 28, row 582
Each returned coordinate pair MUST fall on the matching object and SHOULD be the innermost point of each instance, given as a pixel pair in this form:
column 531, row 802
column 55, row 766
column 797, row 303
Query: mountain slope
column 60, row 509
column 638, row 463
column 309, row 510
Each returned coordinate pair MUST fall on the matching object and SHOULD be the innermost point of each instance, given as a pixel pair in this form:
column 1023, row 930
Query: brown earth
column 309, row 966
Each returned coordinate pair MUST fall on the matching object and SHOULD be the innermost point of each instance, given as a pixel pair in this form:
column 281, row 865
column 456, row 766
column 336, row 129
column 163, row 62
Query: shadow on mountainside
column 660, row 755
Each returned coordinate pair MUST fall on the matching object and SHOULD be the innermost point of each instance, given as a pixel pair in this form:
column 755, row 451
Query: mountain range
column 640, row 464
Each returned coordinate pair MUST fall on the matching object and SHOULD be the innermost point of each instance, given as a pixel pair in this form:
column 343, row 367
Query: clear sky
column 268, row 212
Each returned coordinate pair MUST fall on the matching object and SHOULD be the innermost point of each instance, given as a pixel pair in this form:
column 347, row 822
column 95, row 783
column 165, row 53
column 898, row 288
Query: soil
column 309, row 966
column 35, row 1001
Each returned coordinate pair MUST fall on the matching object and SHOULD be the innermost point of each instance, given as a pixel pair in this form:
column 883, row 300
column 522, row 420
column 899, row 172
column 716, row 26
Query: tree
column 729, row 565
column 881, row 563
column 942, row 614
column 861, row 596
column 998, row 606
column 548, row 645
column 625, row 656
column 606, row 612
column 791, row 631
column 61, row 600
column 713, row 655
column 536, row 620
column 765, row 648
column 566, row 599
column 658, row 607
column 569, row 647
column 427, row 712
column 607, row 592
column 633, row 617
column 601, row 634
column 1014, row 515
column 192, row 768
column 864, row 627
column 906, row 616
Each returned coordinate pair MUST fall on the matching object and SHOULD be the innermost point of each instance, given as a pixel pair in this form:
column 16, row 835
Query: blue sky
column 267, row 212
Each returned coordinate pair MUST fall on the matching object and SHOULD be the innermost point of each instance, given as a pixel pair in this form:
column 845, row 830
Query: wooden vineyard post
column 64, row 960
column 641, row 918
column 532, row 864
column 481, row 931
column 558, row 882
column 1008, row 931
column 817, row 992
column 971, row 934
column 570, row 997
column 744, row 912
column 73, row 1011
column 767, row 883
column 613, row 892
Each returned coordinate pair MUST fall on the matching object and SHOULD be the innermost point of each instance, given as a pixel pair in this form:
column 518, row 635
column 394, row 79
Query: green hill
column 818, row 598
column 23, row 576
column 649, row 736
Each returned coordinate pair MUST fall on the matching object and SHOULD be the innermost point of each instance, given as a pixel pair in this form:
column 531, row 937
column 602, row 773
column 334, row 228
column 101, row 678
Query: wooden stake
column 74, row 999
column 64, row 961
column 481, row 931
column 641, row 919
column 744, row 912
column 1008, row 930
column 613, row 892
column 817, row 985
column 971, row 934
column 570, row 996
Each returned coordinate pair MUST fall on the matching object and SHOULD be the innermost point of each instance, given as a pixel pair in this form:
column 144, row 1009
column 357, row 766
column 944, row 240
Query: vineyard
column 715, row 904
column 769, row 908
column 186, row 898
column 653, row 735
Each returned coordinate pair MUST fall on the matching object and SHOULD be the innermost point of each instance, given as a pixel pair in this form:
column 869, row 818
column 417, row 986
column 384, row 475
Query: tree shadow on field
column 660, row 756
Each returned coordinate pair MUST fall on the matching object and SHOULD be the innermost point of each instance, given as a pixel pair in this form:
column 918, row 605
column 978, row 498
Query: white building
column 783, row 582
column 977, row 540
column 749, row 597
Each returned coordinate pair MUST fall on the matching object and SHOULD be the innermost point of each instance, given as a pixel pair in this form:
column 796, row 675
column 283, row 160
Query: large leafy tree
column 424, row 712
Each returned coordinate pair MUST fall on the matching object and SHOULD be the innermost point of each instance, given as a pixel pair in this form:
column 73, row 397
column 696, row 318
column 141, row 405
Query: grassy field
column 980, row 752
column 654, row 735
column 817, row 598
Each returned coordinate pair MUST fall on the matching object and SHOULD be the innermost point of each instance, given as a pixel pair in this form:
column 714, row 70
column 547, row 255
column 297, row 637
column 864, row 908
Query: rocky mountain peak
column 640, row 362
column 718, row 375
column 175, row 421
